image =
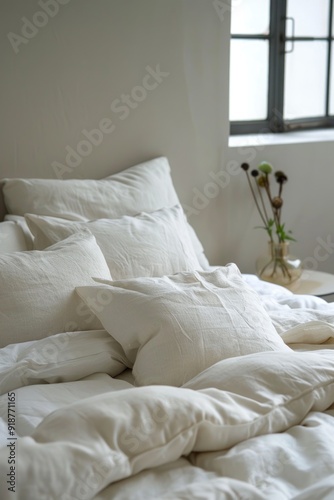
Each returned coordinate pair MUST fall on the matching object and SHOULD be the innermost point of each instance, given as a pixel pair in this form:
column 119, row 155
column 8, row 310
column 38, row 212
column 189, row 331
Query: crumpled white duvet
column 304, row 322
column 253, row 427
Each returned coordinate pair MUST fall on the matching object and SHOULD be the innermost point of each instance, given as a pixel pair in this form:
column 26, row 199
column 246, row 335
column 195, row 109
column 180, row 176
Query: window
column 281, row 65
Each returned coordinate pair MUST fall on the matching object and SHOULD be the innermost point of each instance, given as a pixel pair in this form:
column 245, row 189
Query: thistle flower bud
column 245, row 166
column 280, row 177
column 277, row 202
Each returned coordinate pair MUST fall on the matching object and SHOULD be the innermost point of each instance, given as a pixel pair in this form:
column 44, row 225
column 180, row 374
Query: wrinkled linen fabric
column 255, row 426
column 250, row 427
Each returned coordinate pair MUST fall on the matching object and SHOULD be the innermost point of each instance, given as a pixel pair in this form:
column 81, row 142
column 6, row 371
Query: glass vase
column 278, row 265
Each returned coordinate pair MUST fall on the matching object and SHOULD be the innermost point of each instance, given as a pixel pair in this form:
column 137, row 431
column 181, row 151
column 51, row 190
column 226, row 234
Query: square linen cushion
column 145, row 187
column 174, row 327
column 37, row 289
column 150, row 244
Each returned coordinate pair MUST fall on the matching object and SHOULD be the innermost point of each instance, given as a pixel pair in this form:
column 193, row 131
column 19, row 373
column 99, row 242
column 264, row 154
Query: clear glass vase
column 278, row 265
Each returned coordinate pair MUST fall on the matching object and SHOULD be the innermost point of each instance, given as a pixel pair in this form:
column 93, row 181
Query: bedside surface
column 314, row 283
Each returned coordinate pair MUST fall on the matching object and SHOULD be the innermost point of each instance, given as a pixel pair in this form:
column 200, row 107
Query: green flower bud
column 265, row 167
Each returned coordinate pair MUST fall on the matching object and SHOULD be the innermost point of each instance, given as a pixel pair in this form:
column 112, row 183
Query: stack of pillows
column 119, row 254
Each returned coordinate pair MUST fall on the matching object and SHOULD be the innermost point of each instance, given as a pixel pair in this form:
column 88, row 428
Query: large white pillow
column 143, row 188
column 12, row 238
column 174, row 327
column 37, row 296
column 149, row 244
column 20, row 221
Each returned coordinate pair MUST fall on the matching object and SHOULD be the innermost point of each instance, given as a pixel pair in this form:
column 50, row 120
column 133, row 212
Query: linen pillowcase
column 145, row 187
column 62, row 357
column 37, row 296
column 174, row 327
column 151, row 244
column 20, row 221
column 12, row 238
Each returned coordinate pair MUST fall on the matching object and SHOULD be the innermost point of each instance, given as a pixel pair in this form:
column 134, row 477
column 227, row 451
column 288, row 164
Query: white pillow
column 143, row 188
column 151, row 244
column 20, row 221
column 12, row 238
column 37, row 296
column 174, row 327
column 63, row 357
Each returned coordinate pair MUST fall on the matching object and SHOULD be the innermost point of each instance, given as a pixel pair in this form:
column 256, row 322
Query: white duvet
column 253, row 427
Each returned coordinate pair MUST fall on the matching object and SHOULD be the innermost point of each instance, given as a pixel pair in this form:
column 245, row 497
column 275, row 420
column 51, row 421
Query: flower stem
column 263, row 204
column 257, row 204
column 274, row 211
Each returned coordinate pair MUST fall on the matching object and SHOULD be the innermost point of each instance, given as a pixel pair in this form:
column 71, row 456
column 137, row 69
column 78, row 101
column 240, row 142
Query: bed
column 131, row 368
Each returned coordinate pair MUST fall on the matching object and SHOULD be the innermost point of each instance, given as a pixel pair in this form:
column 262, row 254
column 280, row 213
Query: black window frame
column 278, row 40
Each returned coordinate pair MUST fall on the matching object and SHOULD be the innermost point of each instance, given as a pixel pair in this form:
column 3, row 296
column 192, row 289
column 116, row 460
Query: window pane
column 250, row 17
column 311, row 17
column 331, row 88
column 248, row 79
column 305, row 80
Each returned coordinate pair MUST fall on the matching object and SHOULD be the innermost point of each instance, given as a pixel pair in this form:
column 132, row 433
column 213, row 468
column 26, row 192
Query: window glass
column 290, row 85
column 249, row 79
column 305, row 80
column 250, row 17
column 331, row 88
column 311, row 17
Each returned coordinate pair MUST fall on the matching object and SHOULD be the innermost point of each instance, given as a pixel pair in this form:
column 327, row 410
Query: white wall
column 66, row 75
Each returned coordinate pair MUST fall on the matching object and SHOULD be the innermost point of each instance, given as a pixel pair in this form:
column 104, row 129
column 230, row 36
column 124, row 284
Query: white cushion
column 62, row 357
column 12, row 238
column 20, row 220
column 151, row 244
column 37, row 296
column 143, row 188
column 174, row 327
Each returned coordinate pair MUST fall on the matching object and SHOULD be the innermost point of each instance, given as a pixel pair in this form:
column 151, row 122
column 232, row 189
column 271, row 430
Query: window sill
column 309, row 136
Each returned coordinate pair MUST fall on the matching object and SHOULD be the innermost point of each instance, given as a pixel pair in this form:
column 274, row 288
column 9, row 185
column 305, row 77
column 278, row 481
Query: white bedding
column 254, row 418
column 259, row 426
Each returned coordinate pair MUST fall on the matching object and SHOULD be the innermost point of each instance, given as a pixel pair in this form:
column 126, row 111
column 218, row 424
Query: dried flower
column 261, row 181
column 266, row 203
column 277, row 202
column 280, row 177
